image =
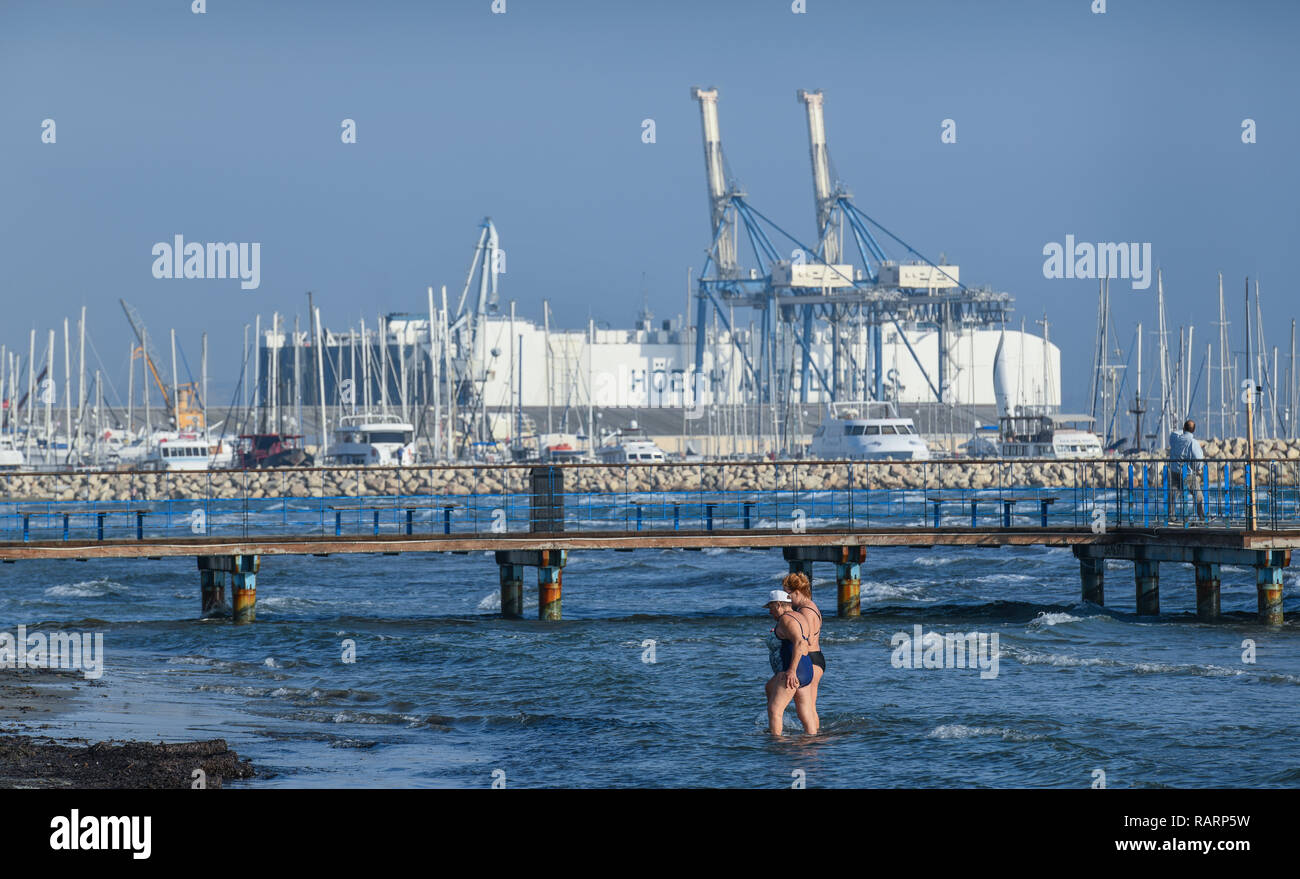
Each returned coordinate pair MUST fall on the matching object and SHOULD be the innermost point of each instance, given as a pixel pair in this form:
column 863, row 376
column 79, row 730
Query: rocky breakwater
column 1281, row 458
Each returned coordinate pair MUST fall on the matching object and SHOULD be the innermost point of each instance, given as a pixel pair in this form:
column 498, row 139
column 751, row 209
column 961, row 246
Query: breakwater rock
column 1277, row 460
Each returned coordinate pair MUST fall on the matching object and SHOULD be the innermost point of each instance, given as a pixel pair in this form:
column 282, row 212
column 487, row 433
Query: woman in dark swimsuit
column 799, row 587
column 792, row 670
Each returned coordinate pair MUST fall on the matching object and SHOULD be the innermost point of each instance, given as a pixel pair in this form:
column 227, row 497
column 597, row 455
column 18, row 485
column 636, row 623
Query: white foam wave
column 961, row 731
column 1054, row 619
column 85, row 589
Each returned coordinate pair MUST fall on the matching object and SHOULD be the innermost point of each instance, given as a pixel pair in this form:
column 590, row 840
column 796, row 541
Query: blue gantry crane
column 817, row 283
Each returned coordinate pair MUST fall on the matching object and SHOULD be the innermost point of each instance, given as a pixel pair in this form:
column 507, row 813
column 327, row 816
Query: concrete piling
column 549, row 582
column 802, row 566
column 243, row 592
column 1207, row 591
column 1268, row 585
column 1147, row 575
column 848, row 571
column 1092, row 573
column 848, row 585
column 243, row 584
column 213, row 585
column 512, row 591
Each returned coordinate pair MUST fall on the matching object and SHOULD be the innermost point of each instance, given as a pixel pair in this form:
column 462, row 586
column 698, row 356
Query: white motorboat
column 11, row 458
column 630, row 445
column 868, row 430
column 170, row 450
column 1051, row 436
column 372, row 441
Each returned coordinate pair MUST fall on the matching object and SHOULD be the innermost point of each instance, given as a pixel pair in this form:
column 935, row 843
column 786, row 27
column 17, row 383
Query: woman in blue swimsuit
column 799, row 588
column 788, row 649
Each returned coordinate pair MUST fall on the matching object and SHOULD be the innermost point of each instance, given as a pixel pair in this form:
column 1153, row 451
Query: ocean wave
column 491, row 603
column 961, row 731
column 929, row 561
column 289, row 603
column 874, row 591
column 1027, row 657
column 86, row 589
column 1054, row 619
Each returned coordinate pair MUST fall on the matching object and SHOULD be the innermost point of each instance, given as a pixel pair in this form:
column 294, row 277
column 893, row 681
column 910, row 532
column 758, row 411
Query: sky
column 225, row 126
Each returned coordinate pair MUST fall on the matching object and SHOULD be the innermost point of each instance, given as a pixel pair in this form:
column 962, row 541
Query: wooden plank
column 157, row 547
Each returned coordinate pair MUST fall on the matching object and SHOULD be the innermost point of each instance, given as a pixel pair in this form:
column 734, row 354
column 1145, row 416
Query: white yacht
column 868, row 430
column 177, row 451
column 629, row 446
column 1052, row 436
column 10, row 456
column 372, row 441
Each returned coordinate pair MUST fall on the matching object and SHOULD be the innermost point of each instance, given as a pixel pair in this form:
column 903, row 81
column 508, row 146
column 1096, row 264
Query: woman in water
column 805, row 701
column 792, row 670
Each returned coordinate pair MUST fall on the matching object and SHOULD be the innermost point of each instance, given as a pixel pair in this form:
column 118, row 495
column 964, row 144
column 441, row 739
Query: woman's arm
column 795, row 637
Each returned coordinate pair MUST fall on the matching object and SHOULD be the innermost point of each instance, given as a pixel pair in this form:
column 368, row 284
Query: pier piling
column 848, row 571
column 1147, row 575
column 848, row 583
column 802, row 566
column 550, row 579
column 1207, row 591
column 1268, row 585
column 243, row 584
column 213, row 585
column 1093, row 574
column 512, row 591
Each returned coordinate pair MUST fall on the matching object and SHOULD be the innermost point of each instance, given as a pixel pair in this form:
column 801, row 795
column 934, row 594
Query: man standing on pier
column 1184, row 449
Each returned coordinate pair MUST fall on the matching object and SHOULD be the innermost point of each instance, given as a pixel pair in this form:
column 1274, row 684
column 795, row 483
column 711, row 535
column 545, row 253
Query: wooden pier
column 239, row 558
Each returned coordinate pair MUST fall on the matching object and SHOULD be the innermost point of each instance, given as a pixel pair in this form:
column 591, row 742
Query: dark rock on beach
column 29, row 762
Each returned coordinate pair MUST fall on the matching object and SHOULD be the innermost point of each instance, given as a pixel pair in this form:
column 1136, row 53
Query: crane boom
column 137, row 325
column 186, row 410
column 721, row 219
column 823, row 195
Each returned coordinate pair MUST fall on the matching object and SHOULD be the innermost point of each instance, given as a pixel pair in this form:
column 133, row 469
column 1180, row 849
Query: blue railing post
column 1146, row 492
column 65, row 526
column 99, row 524
column 1168, row 493
column 1130, row 492
column 1225, row 491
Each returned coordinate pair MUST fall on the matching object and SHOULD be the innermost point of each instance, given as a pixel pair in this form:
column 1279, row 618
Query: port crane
column 817, row 283
column 463, row 331
column 184, row 406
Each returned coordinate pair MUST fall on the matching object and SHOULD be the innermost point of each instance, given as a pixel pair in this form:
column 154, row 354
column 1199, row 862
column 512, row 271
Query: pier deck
column 1170, row 541
column 821, row 512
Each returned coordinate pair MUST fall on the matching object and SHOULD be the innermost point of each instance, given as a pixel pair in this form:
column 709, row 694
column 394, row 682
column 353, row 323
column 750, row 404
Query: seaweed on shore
column 27, row 762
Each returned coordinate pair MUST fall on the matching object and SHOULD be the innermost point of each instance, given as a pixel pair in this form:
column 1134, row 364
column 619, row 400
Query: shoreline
column 29, row 759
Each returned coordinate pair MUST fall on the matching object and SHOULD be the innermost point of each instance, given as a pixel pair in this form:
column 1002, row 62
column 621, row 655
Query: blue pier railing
column 467, row 499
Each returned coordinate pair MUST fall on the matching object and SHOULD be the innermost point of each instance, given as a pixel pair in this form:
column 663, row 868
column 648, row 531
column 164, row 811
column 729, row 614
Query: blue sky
column 225, row 127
